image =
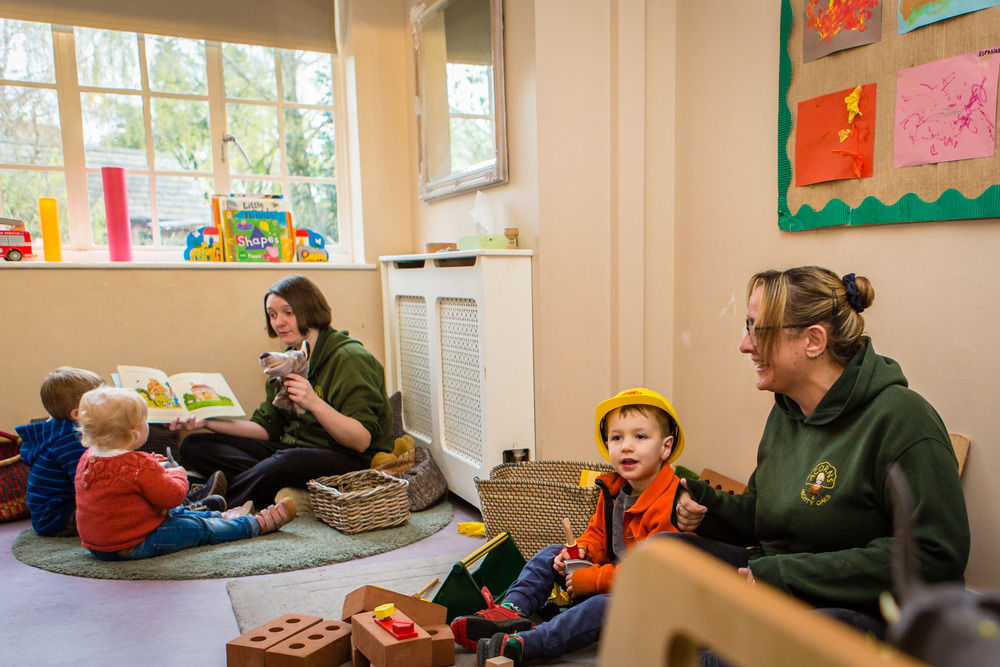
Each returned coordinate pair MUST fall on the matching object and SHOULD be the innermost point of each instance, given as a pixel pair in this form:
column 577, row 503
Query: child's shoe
column 215, row 485
column 500, row 645
column 208, row 504
column 487, row 622
column 242, row 510
column 273, row 517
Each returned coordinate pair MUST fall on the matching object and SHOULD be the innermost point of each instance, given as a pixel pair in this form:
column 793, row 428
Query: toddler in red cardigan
column 129, row 505
column 638, row 432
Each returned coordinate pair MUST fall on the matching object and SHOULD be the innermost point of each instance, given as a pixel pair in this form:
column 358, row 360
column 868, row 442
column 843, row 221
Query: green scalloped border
column 951, row 205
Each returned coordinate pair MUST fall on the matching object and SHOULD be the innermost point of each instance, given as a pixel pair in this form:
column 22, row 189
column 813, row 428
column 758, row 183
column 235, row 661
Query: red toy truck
column 15, row 240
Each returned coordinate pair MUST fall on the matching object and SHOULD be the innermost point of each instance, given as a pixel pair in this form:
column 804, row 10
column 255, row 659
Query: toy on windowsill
column 204, row 245
column 15, row 240
column 310, row 246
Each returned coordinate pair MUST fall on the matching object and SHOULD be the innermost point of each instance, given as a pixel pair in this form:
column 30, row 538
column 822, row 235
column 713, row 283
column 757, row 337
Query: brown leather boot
column 273, row 517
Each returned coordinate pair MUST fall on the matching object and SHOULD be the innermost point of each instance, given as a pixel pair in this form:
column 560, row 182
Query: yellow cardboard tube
column 49, row 211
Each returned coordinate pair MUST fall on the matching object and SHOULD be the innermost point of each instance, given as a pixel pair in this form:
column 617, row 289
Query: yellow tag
column 588, row 477
column 385, row 610
column 472, row 528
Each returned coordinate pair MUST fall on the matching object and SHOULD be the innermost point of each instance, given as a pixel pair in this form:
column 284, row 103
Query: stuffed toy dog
column 279, row 364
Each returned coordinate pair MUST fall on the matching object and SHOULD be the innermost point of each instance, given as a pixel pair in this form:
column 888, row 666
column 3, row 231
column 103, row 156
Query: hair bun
column 854, row 297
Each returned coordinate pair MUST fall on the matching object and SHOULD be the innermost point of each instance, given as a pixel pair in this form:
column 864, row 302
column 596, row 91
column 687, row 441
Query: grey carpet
column 304, row 543
column 322, row 592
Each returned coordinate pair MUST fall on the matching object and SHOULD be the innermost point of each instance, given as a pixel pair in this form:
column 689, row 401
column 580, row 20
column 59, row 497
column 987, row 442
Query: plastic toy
column 310, row 246
column 204, row 245
column 15, row 240
column 571, row 547
column 372, row 643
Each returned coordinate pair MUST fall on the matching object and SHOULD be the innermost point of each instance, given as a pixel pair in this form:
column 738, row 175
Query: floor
column 53, row 619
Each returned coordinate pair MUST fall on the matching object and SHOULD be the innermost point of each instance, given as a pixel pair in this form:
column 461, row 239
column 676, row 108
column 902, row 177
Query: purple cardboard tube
column 116, row 214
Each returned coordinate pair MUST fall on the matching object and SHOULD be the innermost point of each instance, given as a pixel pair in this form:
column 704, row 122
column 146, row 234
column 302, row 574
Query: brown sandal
column 273, row 517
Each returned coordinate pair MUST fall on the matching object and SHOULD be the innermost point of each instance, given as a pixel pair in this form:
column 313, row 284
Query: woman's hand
column 689, row 513
column 301, row 392
column 189, row 423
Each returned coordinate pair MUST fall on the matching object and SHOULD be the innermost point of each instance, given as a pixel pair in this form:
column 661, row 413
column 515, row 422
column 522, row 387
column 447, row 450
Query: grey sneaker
column 215, row 485
column 208, row 504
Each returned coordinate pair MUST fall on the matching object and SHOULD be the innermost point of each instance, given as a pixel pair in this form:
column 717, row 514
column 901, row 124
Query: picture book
column 204, row 395
column 255, row 228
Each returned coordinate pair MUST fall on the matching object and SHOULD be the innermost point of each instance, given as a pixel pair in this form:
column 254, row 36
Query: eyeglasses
column 752, row 328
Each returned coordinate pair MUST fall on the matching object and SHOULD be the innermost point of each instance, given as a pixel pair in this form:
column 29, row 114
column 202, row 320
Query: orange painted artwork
column 835, row 26
column 835, row 136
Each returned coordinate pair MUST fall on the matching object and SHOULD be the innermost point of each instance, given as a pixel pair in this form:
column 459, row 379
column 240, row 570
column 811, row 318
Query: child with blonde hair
column 129, row 506
column 51, row 449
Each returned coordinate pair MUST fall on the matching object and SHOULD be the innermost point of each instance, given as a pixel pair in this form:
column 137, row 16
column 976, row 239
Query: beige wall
column 642, row 139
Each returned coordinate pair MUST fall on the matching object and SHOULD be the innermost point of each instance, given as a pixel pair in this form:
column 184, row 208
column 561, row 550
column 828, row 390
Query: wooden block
column 421, row 612
column 248, row 649
column 442, row 645
column 500, row 662
column 378, row 646
column 323, row 644
column 720, row 482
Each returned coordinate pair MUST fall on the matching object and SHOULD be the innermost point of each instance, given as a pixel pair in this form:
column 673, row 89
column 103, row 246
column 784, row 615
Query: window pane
column 472, row 143
column 26, row 52
column 469, row 89
column 248, row 72
column 113, row 130
column 183, row 205
column 256, row 128
column 314, row 206
column 181, row 135
column 107, row 58
column 19, row 192
column 309, row 142
column 306, row 77
column 137, row 193
column 29, row 126
column 176, row 65
column 257, row 187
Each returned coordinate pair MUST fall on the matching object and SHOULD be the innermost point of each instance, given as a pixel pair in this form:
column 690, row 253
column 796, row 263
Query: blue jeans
column 184, row 528
column 575, row 627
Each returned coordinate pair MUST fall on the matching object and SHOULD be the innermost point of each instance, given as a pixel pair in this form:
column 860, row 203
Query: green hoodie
column 818, row 504
column 345, row 375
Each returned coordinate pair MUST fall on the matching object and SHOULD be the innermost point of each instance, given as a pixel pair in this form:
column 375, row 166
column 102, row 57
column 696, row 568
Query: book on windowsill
column 254, row 227
column 203, row 395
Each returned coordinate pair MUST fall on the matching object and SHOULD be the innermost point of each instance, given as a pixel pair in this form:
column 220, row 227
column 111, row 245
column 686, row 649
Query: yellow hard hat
column 638, row 396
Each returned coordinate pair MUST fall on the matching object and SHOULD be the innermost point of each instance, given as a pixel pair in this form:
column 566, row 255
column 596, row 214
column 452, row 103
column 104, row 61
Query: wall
column 935, row 307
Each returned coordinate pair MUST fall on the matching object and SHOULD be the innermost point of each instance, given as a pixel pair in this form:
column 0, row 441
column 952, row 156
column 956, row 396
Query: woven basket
column 358, row 501
column 13, row 479
column 530, row 499
column 427, row 482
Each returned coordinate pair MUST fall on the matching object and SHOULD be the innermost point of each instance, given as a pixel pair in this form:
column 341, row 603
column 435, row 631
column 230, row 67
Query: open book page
column 205, row 395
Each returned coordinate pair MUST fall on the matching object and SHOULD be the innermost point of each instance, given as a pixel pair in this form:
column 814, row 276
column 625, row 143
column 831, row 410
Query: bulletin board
column 951, row 190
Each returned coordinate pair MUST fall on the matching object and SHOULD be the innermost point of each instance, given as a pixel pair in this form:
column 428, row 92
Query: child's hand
column 189, row 423
column 689, row 512
column 559, row 562
column 569, row 585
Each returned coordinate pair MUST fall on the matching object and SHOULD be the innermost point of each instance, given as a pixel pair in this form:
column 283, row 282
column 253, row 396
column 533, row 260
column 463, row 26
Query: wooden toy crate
column 359, row 501
column 530, row 499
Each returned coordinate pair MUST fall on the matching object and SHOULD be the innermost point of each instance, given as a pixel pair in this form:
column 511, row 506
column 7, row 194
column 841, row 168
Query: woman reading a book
column 339, row 418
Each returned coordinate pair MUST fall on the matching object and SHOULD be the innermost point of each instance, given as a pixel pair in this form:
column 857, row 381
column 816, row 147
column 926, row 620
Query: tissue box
column 477, row 241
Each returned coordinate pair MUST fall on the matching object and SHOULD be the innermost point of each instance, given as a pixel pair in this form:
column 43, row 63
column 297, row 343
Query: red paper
column 820, row 155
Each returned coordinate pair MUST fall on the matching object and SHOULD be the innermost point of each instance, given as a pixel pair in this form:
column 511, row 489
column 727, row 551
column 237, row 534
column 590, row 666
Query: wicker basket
column 358, row 501
column 530, row 499
column 13, row 479
column 427, row 482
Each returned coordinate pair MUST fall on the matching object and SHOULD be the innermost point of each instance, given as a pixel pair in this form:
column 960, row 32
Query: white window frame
column 74, row 168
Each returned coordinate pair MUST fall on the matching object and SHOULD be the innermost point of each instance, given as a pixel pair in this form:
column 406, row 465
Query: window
column 185, row 118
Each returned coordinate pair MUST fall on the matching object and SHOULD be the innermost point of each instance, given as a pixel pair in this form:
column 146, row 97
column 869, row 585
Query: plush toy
column 279, row 364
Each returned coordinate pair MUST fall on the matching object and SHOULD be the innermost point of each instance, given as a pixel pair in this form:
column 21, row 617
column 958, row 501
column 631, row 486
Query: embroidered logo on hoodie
column 819, row 483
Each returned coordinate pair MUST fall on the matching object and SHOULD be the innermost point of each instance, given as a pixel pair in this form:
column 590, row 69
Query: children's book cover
column 255, row 228
column 204, row 395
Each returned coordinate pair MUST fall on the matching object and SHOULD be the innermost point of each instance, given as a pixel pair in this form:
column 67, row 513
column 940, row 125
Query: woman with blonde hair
column 817, row 512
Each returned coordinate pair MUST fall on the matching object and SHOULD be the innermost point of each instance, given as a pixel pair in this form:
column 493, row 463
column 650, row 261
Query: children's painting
column 835, row 136
column 835, row 25
column 916, row 13
column 946, row 110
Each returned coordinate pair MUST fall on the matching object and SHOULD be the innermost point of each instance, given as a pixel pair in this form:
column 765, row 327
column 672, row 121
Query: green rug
column 305, row 542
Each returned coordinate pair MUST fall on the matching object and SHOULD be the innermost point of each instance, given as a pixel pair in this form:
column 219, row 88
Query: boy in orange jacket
column 639, row 433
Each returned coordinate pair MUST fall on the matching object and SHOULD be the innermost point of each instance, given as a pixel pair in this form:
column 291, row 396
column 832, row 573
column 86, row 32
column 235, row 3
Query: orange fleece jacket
column 650, row 514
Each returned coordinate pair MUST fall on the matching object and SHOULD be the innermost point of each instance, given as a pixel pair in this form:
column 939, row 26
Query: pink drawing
column 946, row 110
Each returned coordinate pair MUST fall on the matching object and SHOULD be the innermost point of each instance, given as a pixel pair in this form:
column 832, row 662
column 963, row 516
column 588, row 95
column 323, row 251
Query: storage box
column 477, row 241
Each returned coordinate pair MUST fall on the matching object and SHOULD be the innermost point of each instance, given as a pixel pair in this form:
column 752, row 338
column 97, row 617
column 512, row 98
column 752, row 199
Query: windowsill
column 182, row 265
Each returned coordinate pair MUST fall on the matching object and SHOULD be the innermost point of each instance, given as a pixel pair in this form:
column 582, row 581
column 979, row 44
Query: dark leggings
column 258, row 469
column 737, row 556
